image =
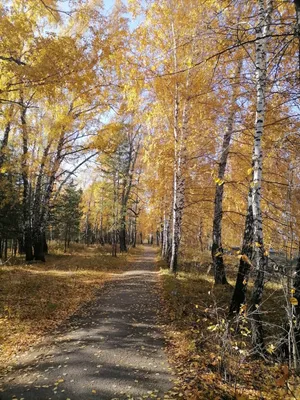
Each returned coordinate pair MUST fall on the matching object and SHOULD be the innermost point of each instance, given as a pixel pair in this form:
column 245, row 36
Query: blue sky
column 108, row 4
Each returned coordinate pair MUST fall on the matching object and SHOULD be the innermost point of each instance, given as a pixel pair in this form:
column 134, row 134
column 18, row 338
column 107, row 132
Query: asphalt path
column 114, row 351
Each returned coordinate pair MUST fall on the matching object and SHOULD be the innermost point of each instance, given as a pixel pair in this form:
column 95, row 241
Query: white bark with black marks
column 180, row 130
column 262, row 32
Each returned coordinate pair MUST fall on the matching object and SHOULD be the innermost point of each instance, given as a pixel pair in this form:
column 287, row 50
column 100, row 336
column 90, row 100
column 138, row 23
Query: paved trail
column 116, row 351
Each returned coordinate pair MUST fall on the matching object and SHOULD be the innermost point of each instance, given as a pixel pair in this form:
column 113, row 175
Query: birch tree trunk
column 179, row 189
column 133, row 151
column 180, row 137
column 262, row 32
column 165, row 237
column 115, row 213
column 26, row 204
column 296, row 308
column 217, row 248
column 38, row 234
column 41, row 219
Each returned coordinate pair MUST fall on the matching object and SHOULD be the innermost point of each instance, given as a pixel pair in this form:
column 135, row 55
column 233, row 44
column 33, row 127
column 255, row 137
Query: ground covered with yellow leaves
column 36, row 298
column 211, row 357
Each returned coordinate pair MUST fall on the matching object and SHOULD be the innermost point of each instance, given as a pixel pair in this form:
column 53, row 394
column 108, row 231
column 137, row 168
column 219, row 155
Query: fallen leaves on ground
column 206, row 367
column 36, row 298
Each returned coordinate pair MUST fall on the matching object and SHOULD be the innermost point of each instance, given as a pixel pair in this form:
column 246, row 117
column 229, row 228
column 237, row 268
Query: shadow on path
column 114, row 352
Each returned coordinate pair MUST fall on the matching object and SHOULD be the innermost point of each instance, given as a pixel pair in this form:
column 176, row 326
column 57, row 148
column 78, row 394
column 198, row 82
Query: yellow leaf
column 94, row 391
column 243, row 308
column 271, row 348
column 293, row 290
column 294, row 301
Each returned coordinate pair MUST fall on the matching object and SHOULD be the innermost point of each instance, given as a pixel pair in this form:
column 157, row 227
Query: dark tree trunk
column 66, row 241
column 122, row 234
column 122, row 237
column 254, row 311
column 161, row 236
column 114, row 244
column 5, row 250
column 217, row 248
column 4, row 143
column 134, row 232
column 45, row 244
column 38, row 246
column 28, row 244
column 21, row 246
column 15, row 247
column 240, row 290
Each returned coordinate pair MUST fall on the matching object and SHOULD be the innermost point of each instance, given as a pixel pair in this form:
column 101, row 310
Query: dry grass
column 212, row 359
column 34, row 299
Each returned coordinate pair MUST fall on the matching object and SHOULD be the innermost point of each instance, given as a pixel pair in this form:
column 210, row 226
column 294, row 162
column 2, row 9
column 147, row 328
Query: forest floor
column 36, row 298
column 95, row 326
column 111, row 348
column 210, row 354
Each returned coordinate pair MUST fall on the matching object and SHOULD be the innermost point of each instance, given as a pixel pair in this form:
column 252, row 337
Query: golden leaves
column 219, row 181
column 293, row 301
column 109, row 137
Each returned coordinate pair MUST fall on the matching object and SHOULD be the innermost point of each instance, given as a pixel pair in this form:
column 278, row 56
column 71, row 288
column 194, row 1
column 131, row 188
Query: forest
column 168, row 131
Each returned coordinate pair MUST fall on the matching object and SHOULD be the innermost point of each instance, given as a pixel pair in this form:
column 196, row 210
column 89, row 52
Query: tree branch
column 12, row 59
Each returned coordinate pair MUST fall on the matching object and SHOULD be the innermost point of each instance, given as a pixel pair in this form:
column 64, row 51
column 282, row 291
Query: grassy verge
column 212, row 358
column 34, row 299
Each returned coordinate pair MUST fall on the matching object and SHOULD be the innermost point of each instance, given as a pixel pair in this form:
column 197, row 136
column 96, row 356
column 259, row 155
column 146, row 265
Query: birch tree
column 180, row 138
column 217, row 248
column 262, row 32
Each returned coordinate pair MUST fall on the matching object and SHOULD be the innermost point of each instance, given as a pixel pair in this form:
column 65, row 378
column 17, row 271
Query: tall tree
column 217, row 248
column 262, row 32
